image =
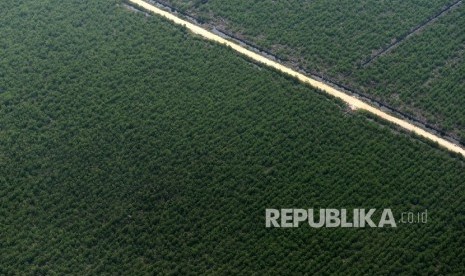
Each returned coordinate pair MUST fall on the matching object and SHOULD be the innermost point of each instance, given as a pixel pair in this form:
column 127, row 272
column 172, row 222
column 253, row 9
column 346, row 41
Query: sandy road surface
column 350, row 100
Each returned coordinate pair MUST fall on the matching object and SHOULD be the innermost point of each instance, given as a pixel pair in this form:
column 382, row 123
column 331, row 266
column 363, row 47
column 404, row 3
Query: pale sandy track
column 350, row 100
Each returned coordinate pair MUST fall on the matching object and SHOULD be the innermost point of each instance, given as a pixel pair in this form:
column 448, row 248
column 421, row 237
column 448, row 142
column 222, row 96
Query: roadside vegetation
column 128, row 146
column 420, row 77
column 425, row 74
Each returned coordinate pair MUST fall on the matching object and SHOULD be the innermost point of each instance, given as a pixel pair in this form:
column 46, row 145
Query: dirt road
column 350, row 100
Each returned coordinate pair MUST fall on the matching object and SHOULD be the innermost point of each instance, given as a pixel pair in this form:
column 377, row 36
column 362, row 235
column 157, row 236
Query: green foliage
column 330, row 35
column 423, row 76
column 128, row 146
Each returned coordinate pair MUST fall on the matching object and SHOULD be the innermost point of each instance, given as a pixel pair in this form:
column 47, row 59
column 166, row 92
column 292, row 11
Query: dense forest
column 422, row 76
column 425, row 74
column 128, row 146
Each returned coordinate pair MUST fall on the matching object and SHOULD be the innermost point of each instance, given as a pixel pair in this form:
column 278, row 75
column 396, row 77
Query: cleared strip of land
column 350, row 100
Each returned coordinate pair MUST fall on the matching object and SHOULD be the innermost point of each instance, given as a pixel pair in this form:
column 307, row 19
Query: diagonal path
column 416, row 30
column 352, row 101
